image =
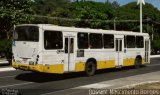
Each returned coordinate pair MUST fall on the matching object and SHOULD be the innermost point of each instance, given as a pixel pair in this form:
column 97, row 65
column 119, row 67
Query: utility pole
column 140, row 2
column 115, row 23
column 152, row 32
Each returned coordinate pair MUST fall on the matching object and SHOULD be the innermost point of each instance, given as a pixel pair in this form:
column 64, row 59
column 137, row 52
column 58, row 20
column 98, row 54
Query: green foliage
column 12, row 12
column 80, row 13
column 45, row 7
column 48, row 8
column 131, row 12
column 155, row 44
column 5, row 47
column 128, row 12
column 97, row 12
column 150, row 13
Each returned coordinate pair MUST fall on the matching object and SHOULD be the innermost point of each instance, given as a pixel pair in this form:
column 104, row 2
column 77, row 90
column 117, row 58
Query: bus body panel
column 70, row 58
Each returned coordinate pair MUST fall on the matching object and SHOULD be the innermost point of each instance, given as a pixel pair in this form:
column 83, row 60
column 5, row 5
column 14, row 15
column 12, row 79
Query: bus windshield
column 26, row 33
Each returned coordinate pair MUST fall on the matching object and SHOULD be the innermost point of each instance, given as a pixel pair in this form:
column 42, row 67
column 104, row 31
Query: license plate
column 18, row 61
column 23, row 67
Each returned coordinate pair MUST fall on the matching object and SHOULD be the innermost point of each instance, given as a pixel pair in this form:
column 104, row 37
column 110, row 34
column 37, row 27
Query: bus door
column 147, row 51
column 119, row 52
column 69, row 53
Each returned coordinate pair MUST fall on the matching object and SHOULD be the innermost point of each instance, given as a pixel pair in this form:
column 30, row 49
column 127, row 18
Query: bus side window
column 139, row 42
column 125, row 42
column 66, row 45
column 71, row 45
column 82, row 40
column 53, row 40
column 95, row 41
column 131, row 41
column 108, row 40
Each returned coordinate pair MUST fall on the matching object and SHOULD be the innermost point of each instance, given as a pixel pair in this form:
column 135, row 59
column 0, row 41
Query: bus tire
column 90, row 68
column 138, row 63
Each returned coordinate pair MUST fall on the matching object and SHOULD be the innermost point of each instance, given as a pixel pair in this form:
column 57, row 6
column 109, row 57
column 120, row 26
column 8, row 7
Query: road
column 30, row 83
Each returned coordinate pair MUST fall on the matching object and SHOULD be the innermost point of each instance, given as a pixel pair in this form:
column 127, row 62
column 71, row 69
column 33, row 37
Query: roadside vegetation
column 155, row 85
column 77, row 13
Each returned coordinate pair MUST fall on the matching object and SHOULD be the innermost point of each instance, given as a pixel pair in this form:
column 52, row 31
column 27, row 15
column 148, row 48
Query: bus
column 49, row 48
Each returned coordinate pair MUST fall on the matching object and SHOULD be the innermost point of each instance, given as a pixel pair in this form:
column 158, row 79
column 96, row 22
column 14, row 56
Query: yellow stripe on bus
column 57, row 68
column 143, row 61
column 80, row 66
column 105, row 64
column 128, row 62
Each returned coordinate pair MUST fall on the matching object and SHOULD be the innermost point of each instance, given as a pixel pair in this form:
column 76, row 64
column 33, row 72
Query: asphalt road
column 30, row 83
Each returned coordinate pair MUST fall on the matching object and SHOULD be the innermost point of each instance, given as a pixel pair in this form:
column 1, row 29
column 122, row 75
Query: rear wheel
column 90, row 68
column 138, row 63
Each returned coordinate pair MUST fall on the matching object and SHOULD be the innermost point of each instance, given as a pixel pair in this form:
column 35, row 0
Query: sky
column 155, row 3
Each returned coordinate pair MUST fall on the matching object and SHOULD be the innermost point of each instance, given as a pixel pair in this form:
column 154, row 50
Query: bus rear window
column 26, row 33
column 53, row 40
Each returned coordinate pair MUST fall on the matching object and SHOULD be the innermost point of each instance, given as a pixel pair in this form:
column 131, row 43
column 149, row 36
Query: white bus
column 57, row 49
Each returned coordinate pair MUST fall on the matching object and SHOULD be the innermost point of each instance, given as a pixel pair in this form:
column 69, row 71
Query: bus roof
column 87, row 30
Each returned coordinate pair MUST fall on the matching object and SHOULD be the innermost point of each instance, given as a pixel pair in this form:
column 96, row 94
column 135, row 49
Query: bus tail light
column 37, row 59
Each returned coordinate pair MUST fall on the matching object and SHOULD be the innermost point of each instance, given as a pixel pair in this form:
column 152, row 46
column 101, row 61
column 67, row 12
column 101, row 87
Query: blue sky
column 156, row 3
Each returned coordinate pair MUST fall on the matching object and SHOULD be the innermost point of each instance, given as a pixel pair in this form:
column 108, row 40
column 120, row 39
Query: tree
column 131, row 12
column 12, row 12
column 45, row 7
column 88, row 14
column 150, row 16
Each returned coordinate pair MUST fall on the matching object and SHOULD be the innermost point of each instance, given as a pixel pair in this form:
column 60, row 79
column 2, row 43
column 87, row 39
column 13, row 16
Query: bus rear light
column 37, row 59
column 13, row 59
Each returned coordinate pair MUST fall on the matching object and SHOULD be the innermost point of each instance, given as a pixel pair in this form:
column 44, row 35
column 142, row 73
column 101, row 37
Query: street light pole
column 115, row 23
column 141, row 2
column 141, row 27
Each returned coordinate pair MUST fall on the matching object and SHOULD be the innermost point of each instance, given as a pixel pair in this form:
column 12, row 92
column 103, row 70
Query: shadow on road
column 45, row 77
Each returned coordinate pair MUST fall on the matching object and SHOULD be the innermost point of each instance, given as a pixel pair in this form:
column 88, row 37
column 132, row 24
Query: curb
column 137, row 84
column 7, row 69
column 3, row 62
column 154, row 56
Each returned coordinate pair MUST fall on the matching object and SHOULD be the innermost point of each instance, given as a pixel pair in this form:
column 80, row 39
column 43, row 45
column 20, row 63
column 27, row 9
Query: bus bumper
column 57, row 68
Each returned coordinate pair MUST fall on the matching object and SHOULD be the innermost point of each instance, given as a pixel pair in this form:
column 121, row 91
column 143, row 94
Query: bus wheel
column 138, row 63
column 90, row 68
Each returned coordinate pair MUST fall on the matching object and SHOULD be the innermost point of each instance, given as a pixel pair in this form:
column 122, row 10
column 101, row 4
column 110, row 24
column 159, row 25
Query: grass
column 148, row 86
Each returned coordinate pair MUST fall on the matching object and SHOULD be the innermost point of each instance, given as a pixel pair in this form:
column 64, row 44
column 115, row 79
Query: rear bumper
column 57, row 68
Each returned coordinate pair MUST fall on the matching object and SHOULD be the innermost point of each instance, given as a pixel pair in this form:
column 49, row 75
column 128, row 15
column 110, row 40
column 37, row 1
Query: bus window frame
column 53, row 48
column 90, row 46
column 104, row 41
